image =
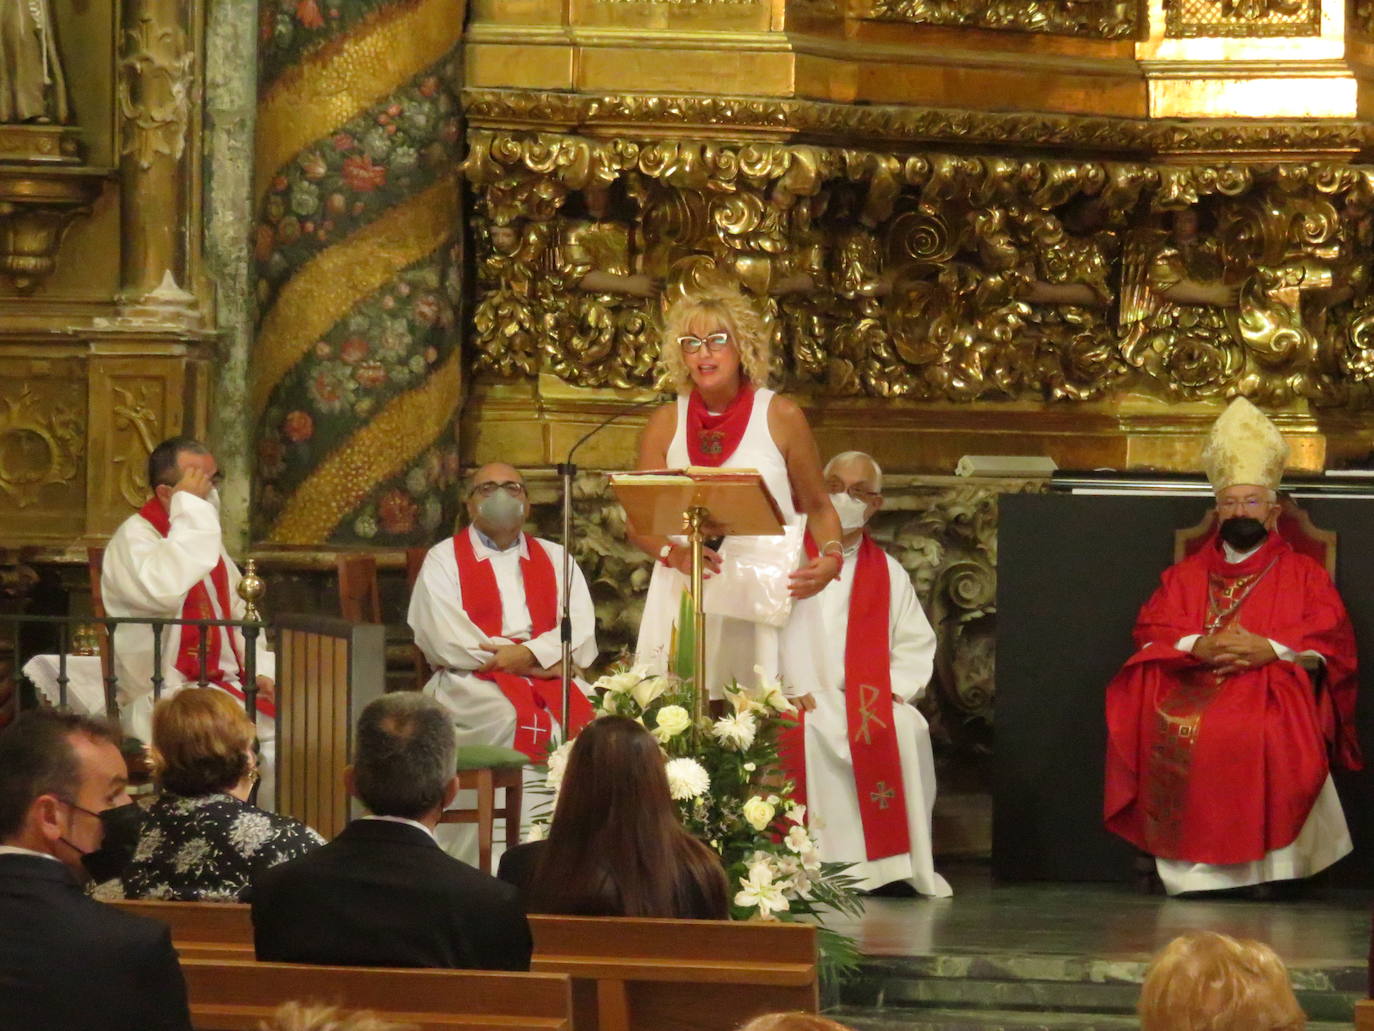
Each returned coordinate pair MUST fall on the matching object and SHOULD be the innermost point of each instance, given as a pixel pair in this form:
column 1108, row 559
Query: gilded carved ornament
column 930, row 276
column 41, row 442
column 1249, row 18
column 136, row 422
column 1099, row 19
column 155, row 87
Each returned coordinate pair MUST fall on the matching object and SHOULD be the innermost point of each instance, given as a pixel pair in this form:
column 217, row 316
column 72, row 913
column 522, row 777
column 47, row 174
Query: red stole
column 869, row 710
column 711, row 439
column 1223, row 770
column 197, row 606
column 538, row 702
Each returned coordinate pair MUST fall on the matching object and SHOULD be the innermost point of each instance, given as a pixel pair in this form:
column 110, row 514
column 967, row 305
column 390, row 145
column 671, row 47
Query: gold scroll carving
column 1099, row 19
column 1249, row 18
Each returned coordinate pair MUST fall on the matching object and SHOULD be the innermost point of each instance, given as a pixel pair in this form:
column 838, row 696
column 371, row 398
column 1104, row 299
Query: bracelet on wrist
column 837, row 553
column 664, row 552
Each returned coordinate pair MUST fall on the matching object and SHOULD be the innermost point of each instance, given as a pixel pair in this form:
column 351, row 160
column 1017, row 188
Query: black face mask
column 1243, row 532
column 122, row 826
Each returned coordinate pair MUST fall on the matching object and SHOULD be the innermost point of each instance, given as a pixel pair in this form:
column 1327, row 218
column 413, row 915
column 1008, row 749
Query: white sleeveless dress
column 735, row 647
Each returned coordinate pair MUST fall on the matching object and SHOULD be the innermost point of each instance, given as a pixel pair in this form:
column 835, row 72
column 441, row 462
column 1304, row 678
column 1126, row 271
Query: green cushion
column 482, row 757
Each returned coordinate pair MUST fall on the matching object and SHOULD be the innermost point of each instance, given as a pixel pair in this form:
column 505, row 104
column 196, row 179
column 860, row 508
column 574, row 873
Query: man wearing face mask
column 868, row 778
column 1222, row 727
column 167, row 561
column 67, row 961
column 485, row 614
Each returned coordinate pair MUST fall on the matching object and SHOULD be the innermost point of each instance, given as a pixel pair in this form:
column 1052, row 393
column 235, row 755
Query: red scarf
column 869, row 709
column 711, row 439
column 538, row 702
column 197, row 606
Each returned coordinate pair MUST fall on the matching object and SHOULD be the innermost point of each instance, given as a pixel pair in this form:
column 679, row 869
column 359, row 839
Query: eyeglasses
column 714, row 343
column 486, row 490
column 856, row 492
column 1250, row 504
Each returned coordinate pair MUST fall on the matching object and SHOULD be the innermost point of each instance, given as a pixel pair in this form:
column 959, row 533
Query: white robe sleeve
column 547, row 648
column 443, row 631
column 146, row 574
column 913, row 639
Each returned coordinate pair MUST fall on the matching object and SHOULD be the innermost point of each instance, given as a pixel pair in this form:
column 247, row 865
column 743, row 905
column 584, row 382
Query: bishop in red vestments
column 1224, row 725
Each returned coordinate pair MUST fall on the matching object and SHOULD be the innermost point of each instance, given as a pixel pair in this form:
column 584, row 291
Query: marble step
column 1038, row 983
column 999, row 1020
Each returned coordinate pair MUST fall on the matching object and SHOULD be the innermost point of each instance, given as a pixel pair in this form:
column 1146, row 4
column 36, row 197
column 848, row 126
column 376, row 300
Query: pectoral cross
column 868, row 697
column 537, row 729
column 882, row 794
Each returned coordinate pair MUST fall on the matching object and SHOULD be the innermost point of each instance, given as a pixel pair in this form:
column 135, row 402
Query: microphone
column 566, row 471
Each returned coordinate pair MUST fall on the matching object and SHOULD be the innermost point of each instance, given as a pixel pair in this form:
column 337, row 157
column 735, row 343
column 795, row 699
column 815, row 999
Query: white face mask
column 853, row 513
column 502, row 511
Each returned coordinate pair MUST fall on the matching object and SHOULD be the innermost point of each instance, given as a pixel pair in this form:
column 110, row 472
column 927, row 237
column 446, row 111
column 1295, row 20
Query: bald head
column 494, row 472
column 497, row 502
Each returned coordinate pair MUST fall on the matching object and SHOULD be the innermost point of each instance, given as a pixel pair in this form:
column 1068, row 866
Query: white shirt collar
column 1233, row 556
column 483, row 547
column 15, row 850
column 401, row 819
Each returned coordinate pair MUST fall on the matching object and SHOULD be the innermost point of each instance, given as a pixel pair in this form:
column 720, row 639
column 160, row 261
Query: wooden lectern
column 701, row 503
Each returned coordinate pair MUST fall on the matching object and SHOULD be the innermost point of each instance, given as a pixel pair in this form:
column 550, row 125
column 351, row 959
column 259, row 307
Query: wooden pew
column 236, row 995
column 203, row 930
column 677, row 975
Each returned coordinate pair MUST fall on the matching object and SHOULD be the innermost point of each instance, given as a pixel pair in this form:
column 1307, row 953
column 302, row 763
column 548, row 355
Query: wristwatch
column 664, row 552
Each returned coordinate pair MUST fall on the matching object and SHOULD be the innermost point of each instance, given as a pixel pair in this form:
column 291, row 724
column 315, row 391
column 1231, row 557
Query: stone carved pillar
column 356, row 365
column 156, row 87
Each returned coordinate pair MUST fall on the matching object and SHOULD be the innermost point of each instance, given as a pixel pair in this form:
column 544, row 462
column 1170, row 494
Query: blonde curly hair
column 718, row 306
column 1206, row 981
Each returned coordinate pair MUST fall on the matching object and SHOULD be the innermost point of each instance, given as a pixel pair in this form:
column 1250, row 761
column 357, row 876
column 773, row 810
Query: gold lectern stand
column 702, row 503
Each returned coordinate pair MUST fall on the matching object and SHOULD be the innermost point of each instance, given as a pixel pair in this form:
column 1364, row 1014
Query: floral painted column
column 355, row 371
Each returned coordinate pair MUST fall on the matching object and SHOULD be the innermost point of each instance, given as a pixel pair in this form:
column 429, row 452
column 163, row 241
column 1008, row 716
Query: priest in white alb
column 869, row 775
column 485, row 615
column 167, row 561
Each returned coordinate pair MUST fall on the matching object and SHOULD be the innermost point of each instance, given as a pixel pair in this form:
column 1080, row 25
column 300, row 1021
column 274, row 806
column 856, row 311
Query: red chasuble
column 197, row 606
column 538, row 702
column 868, row 707
column 711, row 439
column 1225, row 769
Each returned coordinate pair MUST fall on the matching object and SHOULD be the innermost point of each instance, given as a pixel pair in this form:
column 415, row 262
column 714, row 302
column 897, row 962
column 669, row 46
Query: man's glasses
column 714, row 343
column 486, row 490
column 856, row 492
column 1244, row 504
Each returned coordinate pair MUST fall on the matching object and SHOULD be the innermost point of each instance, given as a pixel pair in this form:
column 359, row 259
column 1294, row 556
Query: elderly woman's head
column 1206, row 981
column 202, row 742
column 693, row 326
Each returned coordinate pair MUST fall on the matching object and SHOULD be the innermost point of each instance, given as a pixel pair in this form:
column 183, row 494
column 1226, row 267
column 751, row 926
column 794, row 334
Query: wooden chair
column 633, row 974
column 1295, row 526
column 415, row 558
column 359, row 600
column 236, row 995
column 200, row 930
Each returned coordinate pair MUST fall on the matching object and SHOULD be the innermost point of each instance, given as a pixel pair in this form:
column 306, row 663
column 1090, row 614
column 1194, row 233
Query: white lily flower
column 758, row 891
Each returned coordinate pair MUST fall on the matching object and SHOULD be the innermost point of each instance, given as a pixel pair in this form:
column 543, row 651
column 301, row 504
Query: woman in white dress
column 716, row 352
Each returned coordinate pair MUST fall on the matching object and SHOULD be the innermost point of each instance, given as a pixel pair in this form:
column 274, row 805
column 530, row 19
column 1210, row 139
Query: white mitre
column 1244, row 447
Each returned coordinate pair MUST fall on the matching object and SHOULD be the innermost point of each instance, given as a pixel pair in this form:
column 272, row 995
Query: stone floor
column 1071, row 956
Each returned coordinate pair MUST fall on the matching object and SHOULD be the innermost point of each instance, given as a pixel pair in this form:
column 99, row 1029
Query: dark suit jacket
column 70, row 963
column 384, row 894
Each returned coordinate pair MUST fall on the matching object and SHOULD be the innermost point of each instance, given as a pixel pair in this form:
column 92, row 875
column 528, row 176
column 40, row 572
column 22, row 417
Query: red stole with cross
column 197, row 606
column 538, row 702
column 872, row 731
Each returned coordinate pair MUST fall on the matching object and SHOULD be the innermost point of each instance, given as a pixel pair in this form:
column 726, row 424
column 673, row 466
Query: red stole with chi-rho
column 538, row 702
column 197, row 606
column 872, row 728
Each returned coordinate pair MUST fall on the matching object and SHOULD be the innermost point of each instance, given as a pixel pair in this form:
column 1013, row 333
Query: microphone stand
column 566, row 471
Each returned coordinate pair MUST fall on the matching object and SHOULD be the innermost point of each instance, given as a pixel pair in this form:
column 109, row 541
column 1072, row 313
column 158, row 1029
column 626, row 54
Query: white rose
column 671, row 721
column 557, row 763
column 687, row 778
column 735, row 731
column 647, row 690
column 759, row 813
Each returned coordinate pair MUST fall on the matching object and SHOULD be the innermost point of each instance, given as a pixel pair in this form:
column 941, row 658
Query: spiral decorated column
column 355, row 370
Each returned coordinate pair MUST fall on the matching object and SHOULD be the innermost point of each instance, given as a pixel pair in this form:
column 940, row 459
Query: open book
column 656, row 500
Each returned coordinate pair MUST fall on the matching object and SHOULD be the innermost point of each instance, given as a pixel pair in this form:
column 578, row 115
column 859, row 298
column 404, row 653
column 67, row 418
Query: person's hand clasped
column 680, row 558
column 510, row 658
column 811, row 578
column 267, row 688
column 194, row 481
column 1234, row 650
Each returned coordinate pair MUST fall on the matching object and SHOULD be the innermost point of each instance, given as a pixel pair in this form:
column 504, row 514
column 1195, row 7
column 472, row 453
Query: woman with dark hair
column 616, row 846
column 201, row 840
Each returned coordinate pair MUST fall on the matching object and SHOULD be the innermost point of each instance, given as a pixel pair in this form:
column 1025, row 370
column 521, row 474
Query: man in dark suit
column 67, row 961
column 383, row 893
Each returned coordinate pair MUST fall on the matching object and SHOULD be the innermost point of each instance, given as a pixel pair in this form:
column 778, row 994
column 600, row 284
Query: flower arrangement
column 728, row 782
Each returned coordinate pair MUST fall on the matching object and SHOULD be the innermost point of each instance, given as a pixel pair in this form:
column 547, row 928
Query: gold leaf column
column 356, row 363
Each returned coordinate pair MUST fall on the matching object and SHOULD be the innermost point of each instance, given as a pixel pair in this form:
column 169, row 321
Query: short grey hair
column 1269, row 492
column 405, row 755
column 845, row 457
